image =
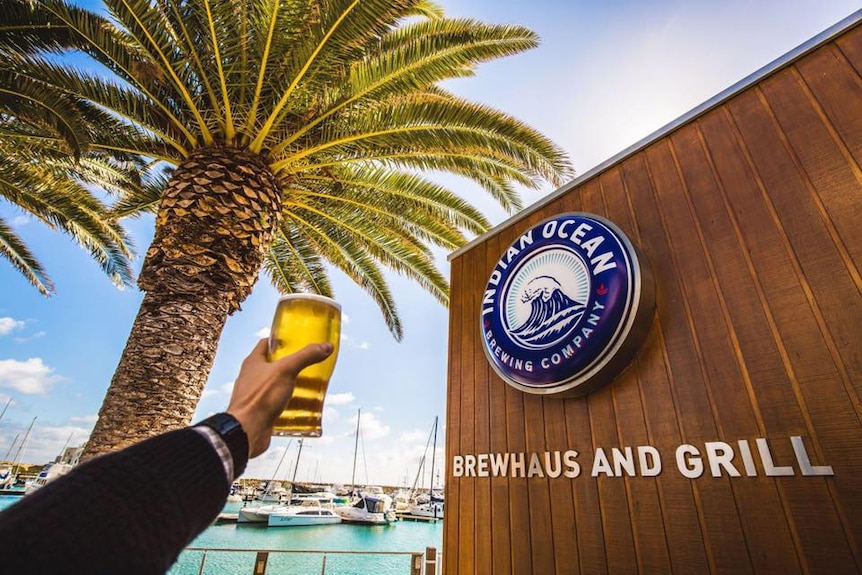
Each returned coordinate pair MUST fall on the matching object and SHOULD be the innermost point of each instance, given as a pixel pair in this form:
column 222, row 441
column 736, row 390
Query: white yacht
column 431, row 510
column 309, row 513
column 369, row 510
column 258, row 513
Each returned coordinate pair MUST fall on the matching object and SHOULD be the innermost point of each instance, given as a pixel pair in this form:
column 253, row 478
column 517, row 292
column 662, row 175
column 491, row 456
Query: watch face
column 226, row 423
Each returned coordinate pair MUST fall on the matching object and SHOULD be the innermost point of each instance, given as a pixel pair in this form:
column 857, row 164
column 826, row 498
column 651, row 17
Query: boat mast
column 20, row 452
column 275, row 473
column 5, row 408
column 295, row 467
column 433, row 458
column 355, row 450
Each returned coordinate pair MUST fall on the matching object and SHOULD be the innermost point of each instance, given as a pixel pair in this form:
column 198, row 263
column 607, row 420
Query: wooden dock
column 226, row 518
column 408, row 517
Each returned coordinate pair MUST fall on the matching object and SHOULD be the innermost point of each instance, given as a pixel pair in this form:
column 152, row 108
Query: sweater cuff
column 221, row 449
column 229, row 440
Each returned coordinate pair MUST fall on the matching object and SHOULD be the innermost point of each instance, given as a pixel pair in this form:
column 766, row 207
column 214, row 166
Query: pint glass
column 301, row 319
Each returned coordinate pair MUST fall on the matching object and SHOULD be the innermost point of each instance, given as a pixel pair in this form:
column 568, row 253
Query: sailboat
column 9, row 474
column 261, row 513
column 366, row 507
column 431, row 508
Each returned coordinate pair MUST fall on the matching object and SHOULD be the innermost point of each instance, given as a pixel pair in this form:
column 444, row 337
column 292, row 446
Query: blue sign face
column 560, row 305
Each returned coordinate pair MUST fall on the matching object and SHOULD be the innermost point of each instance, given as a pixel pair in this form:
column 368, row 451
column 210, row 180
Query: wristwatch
column 230, row 430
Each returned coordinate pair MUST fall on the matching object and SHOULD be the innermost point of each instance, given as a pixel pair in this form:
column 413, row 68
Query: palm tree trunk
column 216, row 218
column 159, row 379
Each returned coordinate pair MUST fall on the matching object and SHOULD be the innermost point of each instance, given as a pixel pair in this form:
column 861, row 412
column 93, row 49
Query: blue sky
column 606, row 75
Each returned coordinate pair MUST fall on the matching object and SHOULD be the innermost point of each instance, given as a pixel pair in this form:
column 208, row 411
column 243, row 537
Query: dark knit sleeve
column 132, row 511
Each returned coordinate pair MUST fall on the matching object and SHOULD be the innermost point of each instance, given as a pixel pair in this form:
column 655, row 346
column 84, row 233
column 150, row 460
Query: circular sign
column 566, row 306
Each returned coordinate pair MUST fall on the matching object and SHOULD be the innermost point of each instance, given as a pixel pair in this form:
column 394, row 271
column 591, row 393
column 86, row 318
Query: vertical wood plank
column 451, row 554
column 502, row 530
column 470, row 353
column 484, row 548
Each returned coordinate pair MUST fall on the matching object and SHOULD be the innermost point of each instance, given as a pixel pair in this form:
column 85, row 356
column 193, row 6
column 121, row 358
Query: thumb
column 310, row 354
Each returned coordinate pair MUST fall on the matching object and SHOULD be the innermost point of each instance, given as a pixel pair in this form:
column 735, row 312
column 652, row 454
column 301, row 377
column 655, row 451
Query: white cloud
column 31, row 377
column 262, row 332
column 347, row 341
column 84, row 418
column 36, row 335
column 339, row 398
column 222, row 390
column 8, row 324
column 345, row 319
column 413, row 437
column 20, row 221
column 372, row 428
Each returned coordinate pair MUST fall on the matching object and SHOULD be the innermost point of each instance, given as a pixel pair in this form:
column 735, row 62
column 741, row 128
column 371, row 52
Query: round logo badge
column 566, row 307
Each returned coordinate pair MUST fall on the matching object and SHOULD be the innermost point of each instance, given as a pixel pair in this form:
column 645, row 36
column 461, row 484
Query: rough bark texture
column 216, row 218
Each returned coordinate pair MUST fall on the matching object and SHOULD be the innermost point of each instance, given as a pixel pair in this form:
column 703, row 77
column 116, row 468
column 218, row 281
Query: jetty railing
column 421, row 563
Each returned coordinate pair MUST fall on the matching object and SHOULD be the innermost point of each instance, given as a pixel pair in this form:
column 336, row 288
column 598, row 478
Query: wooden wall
column 751, row 217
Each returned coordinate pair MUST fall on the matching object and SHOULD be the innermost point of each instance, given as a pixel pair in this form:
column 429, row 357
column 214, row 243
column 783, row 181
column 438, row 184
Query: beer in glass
column 301, row 319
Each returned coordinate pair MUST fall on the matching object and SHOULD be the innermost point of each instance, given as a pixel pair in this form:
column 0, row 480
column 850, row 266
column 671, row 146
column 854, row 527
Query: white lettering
column 601, row 464
column 535, row 466
column 562, row 232
column 768, row 464
column 469, row 466
column 691, row 467
column 623, row 460
column 511, row 253
column 580, row 232
column 805, row 462
column 526, row 240
column 489, row 297
column 499, row 464
column 650, row 460
column 720, row 454
column 518, row 466
column 747, row 460
column 457, row 466
column 603, row 263
column 482, row 460
column 591, row 244
column 573, row 468
column 556, row 469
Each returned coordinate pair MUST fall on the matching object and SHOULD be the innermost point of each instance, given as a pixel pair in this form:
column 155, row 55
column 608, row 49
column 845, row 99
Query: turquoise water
column 401, row 536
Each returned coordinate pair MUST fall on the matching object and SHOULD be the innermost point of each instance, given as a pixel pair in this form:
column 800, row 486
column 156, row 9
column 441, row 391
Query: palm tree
column 46, row 171
column 298, row 130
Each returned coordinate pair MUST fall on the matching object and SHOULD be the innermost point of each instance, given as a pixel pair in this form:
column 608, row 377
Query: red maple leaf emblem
column 602, row 290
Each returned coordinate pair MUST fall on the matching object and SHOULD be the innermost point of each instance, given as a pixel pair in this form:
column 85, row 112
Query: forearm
column 132, row 511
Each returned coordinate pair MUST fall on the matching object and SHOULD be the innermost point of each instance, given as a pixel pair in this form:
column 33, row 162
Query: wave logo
column 538, row 310
column 565, row 306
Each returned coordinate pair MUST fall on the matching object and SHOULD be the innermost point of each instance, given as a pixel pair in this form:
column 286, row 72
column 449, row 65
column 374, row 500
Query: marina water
column 400, row 536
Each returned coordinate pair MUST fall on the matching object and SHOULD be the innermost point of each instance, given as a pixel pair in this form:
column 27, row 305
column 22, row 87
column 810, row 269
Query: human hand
column 262, row 390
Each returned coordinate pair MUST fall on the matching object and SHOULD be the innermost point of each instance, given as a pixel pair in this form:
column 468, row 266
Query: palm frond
column 15, row 251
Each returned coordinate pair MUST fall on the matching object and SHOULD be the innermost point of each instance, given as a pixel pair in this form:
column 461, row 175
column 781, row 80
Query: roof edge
column 809, row 46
